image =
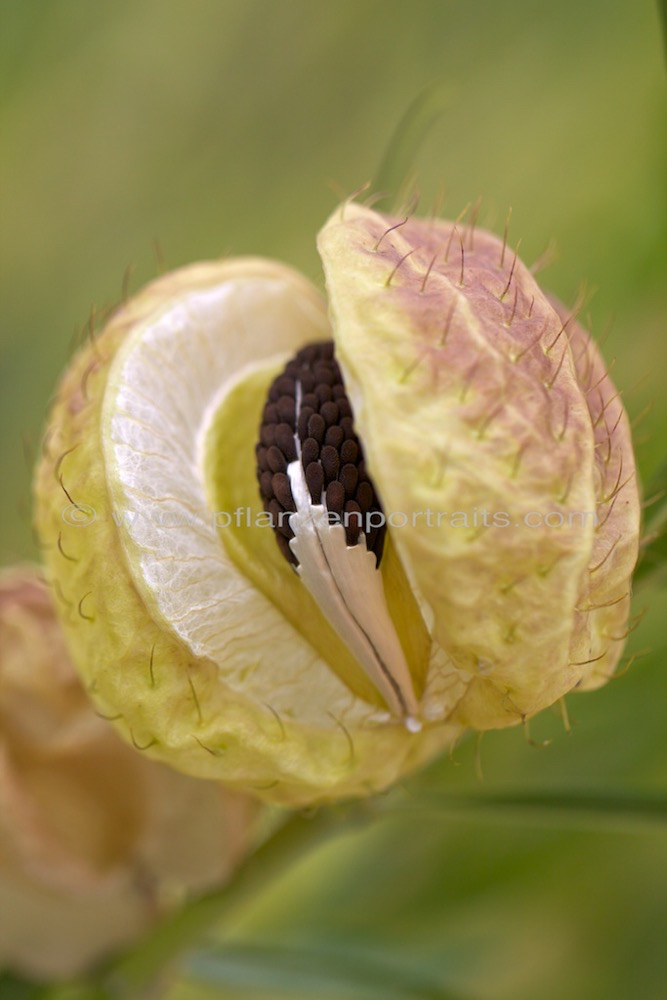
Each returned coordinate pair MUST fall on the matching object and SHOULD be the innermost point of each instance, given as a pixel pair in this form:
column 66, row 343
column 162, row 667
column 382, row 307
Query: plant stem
column 129, row 977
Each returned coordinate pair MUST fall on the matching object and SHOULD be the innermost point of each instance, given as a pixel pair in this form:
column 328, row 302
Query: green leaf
column 580, row 809
column 322, row 971
column 662, row 7
column 653, row 552
column 14, row 988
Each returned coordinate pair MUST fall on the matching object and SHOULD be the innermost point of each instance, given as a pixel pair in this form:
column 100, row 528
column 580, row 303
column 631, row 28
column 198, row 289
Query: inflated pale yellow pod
column 473, row 392
column 298, row 660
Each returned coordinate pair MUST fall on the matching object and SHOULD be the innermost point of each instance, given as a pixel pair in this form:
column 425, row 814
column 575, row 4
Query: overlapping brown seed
column 322, row 435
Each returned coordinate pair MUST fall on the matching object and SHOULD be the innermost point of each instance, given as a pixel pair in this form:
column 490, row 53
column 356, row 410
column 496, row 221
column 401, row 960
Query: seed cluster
column 331, row 453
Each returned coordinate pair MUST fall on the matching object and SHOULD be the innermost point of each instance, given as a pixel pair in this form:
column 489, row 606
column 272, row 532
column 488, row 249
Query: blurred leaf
column 83, row 990
column 581, row 809
column 394, row 174
column 653, row 553
column 321, row 972
column 14, row 988
column 662, row 6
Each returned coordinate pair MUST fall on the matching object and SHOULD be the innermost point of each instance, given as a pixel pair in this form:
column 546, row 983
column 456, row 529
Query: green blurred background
column 226, row 126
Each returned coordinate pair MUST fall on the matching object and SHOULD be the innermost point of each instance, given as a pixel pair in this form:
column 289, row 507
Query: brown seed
column 310, row 452
column 305, row 414
column 323, row 393
column 349, row 477
column 275, row 510
column 364, row 496
column 325, row 374
column 315, row 481
column 284, row 546
column 308, row 354
column 334, row 436
column 326, row 440
column 307, row 380
column 285, row 386
column 330, row 462
column 270, row 414
column 283, row 525
column 353, row 522
column 348, row 427
column 284, row 438
column 349, row 452
column 267, row 435
column 275, row 459
column 266, row 484
column 283, row 491
column 335, row 498
column 326, row 349
column 329, row 413
column 372, row 540
column 316, row 427
column 285, row 410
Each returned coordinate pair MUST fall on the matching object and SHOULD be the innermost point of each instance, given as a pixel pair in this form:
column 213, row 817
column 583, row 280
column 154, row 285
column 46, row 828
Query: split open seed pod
column 246, row 499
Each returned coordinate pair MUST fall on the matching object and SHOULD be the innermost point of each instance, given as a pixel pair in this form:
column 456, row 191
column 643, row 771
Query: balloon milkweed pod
column 458, row 387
